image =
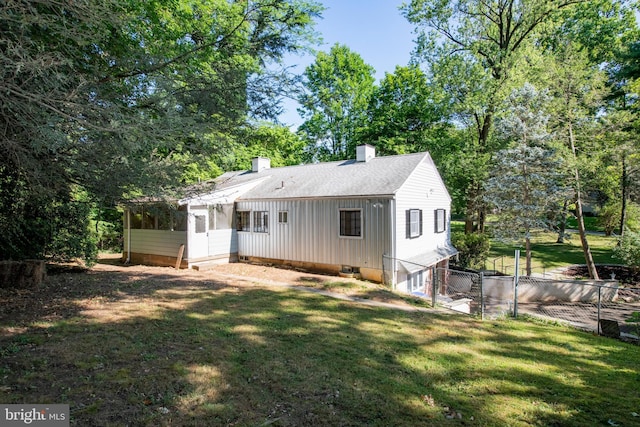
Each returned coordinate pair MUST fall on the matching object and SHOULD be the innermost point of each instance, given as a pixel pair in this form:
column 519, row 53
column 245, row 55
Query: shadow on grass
column 158, row 349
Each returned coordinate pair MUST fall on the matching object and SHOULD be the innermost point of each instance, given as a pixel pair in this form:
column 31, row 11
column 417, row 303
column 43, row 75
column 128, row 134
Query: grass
column 154, row 349
column 546, row 253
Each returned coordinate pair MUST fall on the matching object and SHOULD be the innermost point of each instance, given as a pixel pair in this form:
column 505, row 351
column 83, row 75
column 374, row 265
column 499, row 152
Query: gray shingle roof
column 380, row 176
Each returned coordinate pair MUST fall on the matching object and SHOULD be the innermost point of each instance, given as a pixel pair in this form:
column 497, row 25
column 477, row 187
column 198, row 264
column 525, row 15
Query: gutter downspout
column 392, row 223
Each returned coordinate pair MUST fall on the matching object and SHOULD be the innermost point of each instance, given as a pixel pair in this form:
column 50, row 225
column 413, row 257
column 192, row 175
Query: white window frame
column 440, row 216
column 415, row 226
column 416, row 278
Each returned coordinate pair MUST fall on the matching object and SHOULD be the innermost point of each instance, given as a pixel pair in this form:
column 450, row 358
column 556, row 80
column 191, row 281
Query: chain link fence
column 599, row 306
column 603, row 307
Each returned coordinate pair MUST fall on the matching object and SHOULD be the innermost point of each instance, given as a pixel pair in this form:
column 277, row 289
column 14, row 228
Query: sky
column 374, row 29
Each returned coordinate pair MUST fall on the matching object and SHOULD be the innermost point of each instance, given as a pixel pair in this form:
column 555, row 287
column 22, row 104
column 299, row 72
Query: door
column 198, row 232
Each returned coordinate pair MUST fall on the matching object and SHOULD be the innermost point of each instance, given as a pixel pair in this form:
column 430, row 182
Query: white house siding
column 223, row 242
column 155, row 242
column 423, row 190
column 312, row 232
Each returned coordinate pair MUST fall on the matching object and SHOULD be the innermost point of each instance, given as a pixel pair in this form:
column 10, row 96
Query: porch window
column 261, row 221
column 350, row 223
column 440, row 217
column 201, row 224
column 179, row 218
column 243, row 221
column 414, row 223
column 220, row 217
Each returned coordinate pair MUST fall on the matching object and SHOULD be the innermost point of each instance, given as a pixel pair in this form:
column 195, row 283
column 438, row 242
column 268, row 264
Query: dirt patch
column 69, row 288
column 625, row 275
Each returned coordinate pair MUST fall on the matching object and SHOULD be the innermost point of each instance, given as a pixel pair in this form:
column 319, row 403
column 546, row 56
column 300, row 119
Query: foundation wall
column 371, row 274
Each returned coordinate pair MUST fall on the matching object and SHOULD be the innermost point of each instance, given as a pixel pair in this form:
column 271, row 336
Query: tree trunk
column 562, row 227
column 624, row 181
column 591, row 266
column 468, row 220
column 528, row 254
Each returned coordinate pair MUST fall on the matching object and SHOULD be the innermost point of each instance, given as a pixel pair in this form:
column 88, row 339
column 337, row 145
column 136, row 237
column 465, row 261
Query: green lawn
column 153, row 349
column 546, row 253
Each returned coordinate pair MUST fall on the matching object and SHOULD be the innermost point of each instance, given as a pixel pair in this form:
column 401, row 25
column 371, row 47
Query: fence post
column 599, row 299
column 433, row 286
column 516, row 279
column 481, row 295
column 384, row 271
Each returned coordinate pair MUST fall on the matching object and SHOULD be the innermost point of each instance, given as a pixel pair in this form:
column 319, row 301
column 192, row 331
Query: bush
column 628, row 249
column 609, row 217
column 473, row 249
column 48, row 228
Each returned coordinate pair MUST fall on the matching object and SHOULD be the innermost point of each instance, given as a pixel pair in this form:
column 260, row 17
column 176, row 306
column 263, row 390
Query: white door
column 198, row 232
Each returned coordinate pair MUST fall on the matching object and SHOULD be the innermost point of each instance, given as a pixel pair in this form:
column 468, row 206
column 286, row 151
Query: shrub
column 473, row 249
column 628, row 249
column 609, row 217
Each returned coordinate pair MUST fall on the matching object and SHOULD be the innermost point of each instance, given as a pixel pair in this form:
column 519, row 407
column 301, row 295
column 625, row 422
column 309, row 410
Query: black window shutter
column 408, row 227
column 420, row 222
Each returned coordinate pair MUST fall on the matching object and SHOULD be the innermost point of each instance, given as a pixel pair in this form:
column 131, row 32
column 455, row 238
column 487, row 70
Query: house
column 385, row 219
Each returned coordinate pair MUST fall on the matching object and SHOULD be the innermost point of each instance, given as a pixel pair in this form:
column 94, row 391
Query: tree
column 526, row 191
column 480, row 44
column 98, row 97
column 628, row 249
column 406, row 114
column 338, row 88
column 473, row 249
column 282, row 146
column 577, row 86
column 526, row 188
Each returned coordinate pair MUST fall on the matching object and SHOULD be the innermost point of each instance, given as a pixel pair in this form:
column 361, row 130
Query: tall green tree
column 338, row 87
column 406, row 114
column 480, row 44
column 578, row 87
column 97, row 97
column 527, row 187
column 623, row 123
column 526, row 190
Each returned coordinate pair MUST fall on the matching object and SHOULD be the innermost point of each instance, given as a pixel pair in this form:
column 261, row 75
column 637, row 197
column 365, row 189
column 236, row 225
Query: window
column 220, row 217
column 243, row 221
column 350, row 223
column 441, row 224
column 283, row 217
column 135, row 213
column 415, row 282
column 151, row 217
column 179, row 219
column 261, row 221
column 414, row 223
column 163, row 215
column 201, row 224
